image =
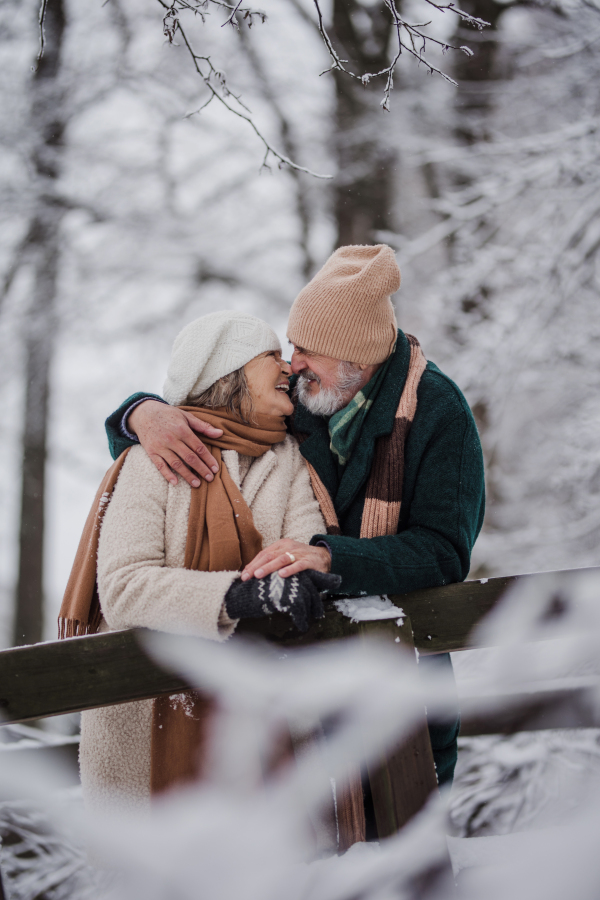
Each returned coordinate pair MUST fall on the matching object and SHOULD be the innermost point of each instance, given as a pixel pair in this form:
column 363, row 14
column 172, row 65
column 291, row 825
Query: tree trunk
column 363, row 188
column 476, row 74
column 478, row 77
column 42, row 246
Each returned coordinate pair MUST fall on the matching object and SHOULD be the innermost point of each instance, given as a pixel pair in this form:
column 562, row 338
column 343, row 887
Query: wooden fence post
column 403, row 779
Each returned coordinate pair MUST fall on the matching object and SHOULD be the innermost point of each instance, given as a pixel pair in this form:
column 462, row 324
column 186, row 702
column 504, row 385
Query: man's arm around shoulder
column 169, row 436
column 116, row 425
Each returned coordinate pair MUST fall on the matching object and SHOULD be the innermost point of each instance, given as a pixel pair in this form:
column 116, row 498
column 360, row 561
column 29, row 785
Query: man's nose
column 298, row 363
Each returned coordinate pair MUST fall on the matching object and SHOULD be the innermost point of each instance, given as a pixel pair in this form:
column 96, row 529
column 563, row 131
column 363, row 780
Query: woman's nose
column 285, row 367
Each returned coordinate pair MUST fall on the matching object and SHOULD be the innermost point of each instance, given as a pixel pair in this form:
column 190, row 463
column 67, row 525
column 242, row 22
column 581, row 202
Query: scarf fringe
column 68, row 628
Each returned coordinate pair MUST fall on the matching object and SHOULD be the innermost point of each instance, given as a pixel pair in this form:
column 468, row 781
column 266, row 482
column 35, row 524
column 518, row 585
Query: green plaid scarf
column 345, row 426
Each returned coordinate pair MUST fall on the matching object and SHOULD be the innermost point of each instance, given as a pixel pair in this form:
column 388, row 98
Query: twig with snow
column 41, row 19
column 409, row 37
column 215, row 80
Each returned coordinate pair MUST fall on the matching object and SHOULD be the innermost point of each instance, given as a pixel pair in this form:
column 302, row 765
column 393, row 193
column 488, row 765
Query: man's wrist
column 124, row 425
column 327, row 548
column 323, row 544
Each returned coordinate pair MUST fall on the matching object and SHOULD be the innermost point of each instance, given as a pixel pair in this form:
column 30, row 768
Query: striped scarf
column 383, row 499
column 381, row 514
column 346, row 425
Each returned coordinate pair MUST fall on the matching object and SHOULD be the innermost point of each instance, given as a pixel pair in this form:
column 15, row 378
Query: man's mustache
column 308, row 374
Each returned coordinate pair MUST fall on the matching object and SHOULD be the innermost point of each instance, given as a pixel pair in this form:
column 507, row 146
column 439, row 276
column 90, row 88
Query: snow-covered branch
column 410, row 38
column 215, row 80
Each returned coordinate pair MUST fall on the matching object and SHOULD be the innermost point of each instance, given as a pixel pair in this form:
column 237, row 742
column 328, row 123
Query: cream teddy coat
column 142, row 582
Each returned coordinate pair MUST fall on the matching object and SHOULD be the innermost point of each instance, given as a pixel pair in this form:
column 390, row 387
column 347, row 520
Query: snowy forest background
column 149, row 217
column 489, row 191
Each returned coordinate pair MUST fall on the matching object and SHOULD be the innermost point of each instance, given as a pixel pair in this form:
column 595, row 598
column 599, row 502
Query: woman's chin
column 280, row 405
column 283, row 406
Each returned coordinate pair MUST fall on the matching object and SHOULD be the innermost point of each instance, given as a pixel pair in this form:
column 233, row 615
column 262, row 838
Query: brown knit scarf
column 380, row 517
column 383, row 499
column 221, row 537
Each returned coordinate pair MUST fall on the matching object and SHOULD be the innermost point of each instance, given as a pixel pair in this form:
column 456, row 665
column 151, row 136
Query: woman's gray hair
column 232, row 392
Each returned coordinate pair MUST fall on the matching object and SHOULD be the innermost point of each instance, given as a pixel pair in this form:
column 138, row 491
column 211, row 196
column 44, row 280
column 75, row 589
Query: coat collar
column 379, row 421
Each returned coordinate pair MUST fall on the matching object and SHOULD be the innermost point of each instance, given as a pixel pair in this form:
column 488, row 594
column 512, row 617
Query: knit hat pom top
column 346, row 311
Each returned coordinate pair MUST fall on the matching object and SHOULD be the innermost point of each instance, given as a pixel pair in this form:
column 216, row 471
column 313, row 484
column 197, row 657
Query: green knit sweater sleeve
column 446, row 513
column 117, row 441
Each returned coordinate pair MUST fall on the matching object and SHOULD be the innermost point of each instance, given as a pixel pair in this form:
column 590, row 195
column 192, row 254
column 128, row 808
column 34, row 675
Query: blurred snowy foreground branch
column 244, row 835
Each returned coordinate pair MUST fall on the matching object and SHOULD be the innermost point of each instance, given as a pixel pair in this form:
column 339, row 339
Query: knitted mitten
column 299, row 595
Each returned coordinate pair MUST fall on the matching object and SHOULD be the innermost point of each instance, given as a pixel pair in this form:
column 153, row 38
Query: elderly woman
column 169, row 557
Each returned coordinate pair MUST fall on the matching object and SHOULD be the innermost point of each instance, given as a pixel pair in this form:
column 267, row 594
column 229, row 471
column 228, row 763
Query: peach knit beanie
column 346, row 311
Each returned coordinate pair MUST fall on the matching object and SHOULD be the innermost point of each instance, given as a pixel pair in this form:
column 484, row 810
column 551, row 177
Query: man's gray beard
column 330, row 400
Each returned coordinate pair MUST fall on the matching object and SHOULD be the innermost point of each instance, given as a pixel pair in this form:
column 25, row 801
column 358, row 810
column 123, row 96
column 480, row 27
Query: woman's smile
column 269, row 384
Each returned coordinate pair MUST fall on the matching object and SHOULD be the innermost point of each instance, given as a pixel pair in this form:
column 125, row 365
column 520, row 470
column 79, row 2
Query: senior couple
column 356, row 468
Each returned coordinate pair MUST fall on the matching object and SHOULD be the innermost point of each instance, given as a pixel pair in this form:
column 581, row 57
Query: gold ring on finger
column 291, row 556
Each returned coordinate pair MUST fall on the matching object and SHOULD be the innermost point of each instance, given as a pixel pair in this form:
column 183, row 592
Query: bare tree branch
column 42, row 16
column 232, row 20
column 200, row 7
column 216, row 82
column 289, row 147
column 410, row 37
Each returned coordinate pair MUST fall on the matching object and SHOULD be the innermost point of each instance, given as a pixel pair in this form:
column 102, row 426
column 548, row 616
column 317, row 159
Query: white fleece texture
column 142, row 582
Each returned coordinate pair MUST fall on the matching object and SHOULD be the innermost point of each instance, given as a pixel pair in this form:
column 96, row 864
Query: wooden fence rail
column 101, row 670
column 83, row 673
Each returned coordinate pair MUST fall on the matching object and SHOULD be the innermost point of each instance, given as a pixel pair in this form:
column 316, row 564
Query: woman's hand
column 166, row 435
column 298, row 596
column 276, row 559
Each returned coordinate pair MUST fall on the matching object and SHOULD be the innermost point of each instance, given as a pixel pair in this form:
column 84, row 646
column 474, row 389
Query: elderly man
column 390, row 443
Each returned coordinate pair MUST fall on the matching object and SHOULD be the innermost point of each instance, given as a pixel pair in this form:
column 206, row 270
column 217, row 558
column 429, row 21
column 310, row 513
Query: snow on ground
column 524, row 781
column 40, row 861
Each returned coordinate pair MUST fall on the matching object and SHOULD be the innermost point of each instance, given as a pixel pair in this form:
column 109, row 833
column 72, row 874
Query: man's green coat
column 443, row 497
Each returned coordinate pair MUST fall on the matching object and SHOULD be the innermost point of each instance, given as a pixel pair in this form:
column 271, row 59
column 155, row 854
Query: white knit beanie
column 211, row 347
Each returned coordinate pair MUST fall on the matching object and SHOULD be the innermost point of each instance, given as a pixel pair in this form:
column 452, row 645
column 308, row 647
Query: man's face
column 309, row 365
column 326, row 385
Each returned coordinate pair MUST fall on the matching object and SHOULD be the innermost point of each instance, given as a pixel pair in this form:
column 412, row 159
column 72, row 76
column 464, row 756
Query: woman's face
column 268, row 382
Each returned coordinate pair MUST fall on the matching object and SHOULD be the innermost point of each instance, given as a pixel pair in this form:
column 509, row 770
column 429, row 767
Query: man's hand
column 276, row 559
column 167, row 434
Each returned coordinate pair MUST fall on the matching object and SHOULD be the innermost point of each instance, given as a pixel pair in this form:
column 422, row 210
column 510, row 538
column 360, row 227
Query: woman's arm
column 136, row 587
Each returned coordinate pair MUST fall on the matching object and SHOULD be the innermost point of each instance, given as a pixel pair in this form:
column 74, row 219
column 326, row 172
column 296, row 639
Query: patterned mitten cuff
column 299, row 596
